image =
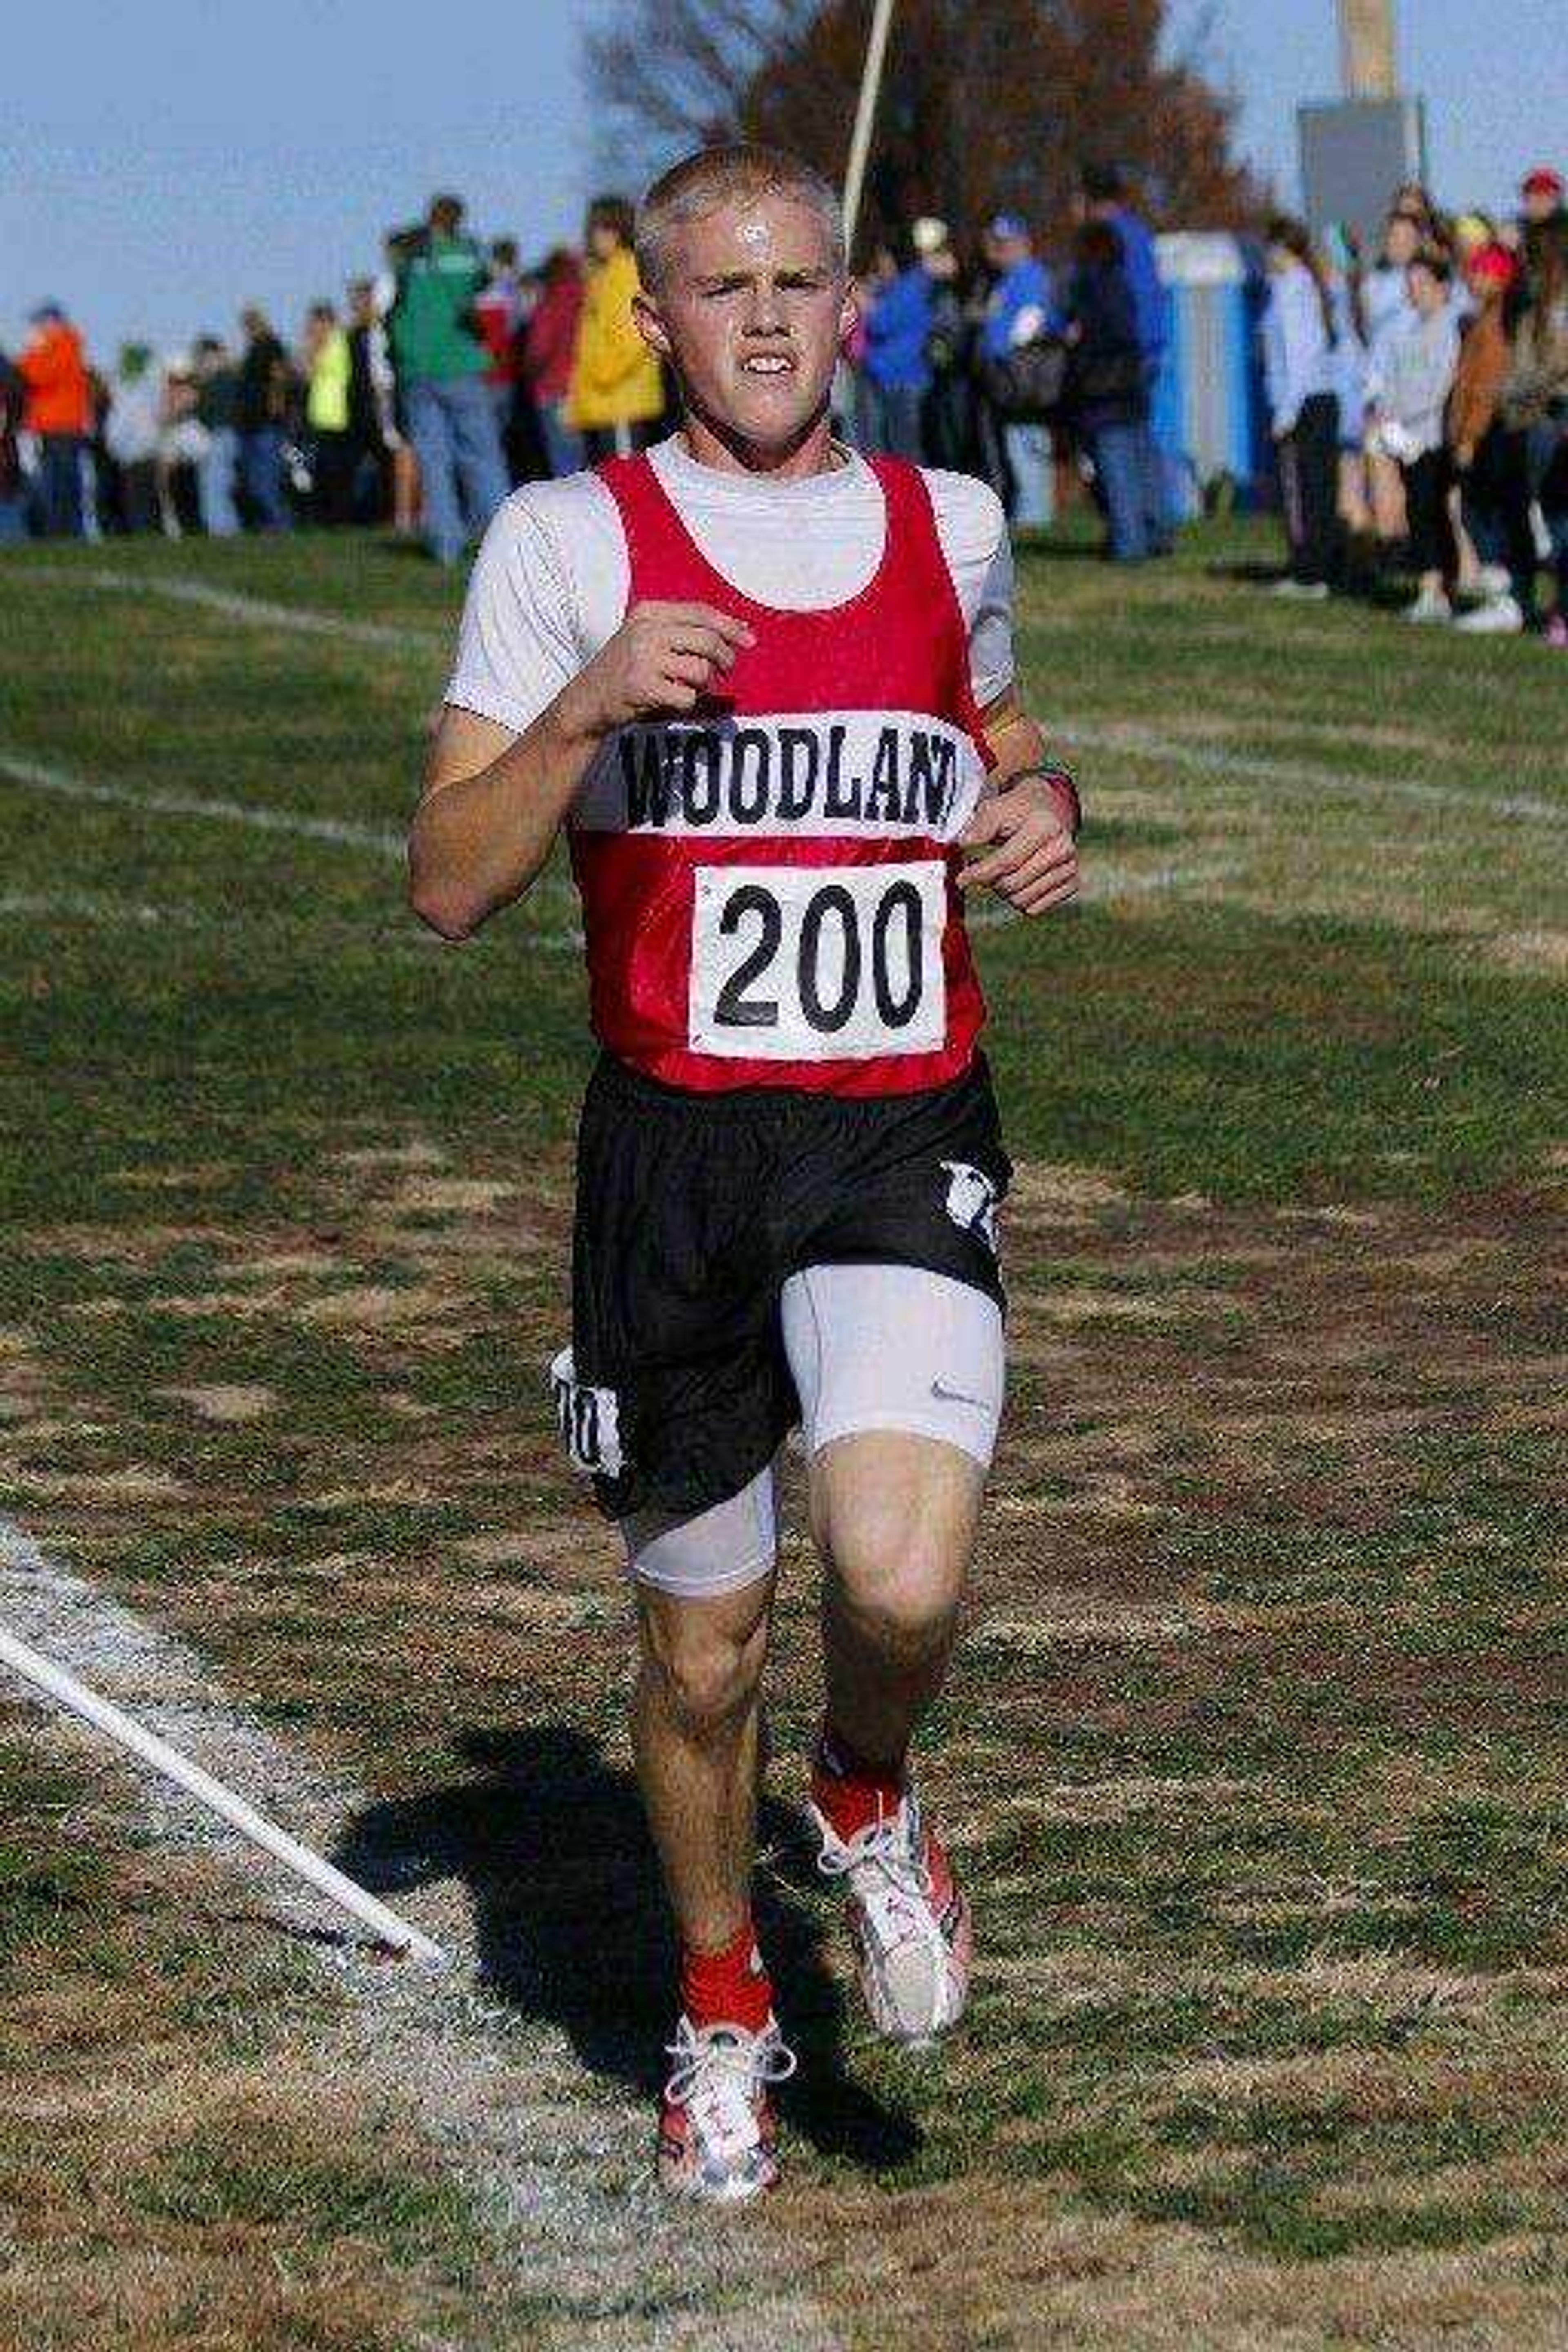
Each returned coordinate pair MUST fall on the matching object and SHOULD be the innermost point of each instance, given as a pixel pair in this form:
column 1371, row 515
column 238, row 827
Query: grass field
column 1254, row 1753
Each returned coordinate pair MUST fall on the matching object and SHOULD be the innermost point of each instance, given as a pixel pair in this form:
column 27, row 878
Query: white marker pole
column 57, row 1684
column 864, row 117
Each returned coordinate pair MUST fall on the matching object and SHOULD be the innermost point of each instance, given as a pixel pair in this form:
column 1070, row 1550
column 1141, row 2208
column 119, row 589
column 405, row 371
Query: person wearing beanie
column 1541, row 195
column 1021, row 308
column 1493, row 492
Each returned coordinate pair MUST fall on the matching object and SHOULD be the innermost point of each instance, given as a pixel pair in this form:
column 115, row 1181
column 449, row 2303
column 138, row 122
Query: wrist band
column 1050, row 773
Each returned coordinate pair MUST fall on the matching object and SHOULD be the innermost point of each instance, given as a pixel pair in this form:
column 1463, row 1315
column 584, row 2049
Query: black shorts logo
column 972, row 1200
column 589, row 1419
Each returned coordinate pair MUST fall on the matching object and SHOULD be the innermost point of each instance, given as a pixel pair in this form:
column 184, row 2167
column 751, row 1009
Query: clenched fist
column 663, row 658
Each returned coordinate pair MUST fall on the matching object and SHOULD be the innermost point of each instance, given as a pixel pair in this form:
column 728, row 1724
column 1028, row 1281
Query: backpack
column 1027, row 387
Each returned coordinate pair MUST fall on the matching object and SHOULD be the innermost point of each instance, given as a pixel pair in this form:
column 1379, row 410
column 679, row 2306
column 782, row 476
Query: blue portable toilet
column 1208, row 412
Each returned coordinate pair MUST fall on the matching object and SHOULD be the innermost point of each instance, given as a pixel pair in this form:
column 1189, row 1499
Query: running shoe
column 717, row 2135
column 1500, row 618
column 1430, row 606
column 913, row 1930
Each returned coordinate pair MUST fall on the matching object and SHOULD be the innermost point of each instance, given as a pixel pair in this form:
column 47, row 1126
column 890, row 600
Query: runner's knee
column 707, row 1668
column 895, row 1573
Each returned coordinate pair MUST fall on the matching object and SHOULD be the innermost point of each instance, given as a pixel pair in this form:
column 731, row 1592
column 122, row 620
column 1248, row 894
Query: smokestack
column 1367, row 63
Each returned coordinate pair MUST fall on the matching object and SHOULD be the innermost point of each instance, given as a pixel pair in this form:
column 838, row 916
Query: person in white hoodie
column 131, row 437
column 1304, row 406
column 1385, row 304
column 1411, row 377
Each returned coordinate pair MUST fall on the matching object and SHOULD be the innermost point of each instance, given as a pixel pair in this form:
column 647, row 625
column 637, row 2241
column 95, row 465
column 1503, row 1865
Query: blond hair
column 737, row 174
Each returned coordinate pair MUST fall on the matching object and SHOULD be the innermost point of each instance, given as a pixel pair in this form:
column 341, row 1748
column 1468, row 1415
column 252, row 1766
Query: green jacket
column 431, row 328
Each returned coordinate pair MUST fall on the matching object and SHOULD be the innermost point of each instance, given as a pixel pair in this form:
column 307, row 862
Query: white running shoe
column 1494, row 579
column 1306, row 591
column 913, row 1930
column 1430, row 606
column 717, row 2135
column 1502, row 618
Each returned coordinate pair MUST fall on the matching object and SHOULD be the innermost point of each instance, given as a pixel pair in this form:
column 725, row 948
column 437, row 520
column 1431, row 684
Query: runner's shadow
column 570, row 1923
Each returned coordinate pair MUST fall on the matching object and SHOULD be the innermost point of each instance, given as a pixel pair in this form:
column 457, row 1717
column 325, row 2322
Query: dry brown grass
column 1177, row 1365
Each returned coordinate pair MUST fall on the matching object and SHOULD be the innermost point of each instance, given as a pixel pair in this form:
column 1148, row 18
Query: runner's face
column 751, row 313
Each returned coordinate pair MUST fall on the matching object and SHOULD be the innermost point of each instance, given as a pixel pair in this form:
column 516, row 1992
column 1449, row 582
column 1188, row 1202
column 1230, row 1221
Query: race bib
column 794, row 963
column 589, row 1419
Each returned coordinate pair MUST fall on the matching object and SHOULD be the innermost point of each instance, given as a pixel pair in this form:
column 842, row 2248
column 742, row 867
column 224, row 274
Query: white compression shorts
column 869, row 1348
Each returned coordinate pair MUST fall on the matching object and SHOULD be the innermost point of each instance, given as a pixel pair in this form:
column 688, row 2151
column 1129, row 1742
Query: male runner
column 768, row 688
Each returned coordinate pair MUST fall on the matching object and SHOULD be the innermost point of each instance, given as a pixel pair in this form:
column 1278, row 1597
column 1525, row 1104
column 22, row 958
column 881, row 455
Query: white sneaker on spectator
column 1494, row 579
column 1431, row 605
column 1306, row 590
column 1500, row 618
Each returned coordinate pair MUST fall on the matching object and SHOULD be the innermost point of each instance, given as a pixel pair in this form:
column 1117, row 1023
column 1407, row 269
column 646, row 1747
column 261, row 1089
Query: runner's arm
column 1025, row 824
column 493, row 807
column 494, row 800
column 1017, row 746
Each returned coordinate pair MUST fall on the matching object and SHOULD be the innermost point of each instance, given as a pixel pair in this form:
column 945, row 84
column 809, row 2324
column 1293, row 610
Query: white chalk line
column 1287, row 775
column 341, row 833
column 75, row 906
column 40, row 776
column 234, row 604
column 1283, row 775
column 412, row 938
column 83, row 906
column 1106, row 882
column 502, row 2097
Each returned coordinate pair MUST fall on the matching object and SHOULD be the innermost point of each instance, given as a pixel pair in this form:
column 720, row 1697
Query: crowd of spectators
column 934, row 372
column 418, row 400
column 1419, row 404
column 1418, row 399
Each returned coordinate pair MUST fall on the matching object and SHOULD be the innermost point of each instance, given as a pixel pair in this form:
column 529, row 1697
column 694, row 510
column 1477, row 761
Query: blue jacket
column 1298, row 357
column 1100, row 304
column 1027, row 286
column 1151, row 296
column 897, row 327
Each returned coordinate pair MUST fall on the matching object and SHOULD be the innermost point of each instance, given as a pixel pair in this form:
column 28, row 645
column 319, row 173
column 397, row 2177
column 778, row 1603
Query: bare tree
column 987, row 104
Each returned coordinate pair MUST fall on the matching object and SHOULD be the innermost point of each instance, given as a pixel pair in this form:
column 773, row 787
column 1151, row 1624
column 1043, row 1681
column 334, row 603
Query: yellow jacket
column 615, row 378
column 327, row 397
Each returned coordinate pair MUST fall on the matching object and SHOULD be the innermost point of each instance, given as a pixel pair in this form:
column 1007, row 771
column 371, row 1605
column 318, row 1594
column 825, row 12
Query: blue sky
column 161, row 162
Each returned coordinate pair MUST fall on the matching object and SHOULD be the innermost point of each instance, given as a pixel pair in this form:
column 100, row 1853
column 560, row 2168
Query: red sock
column 727, row 1988
column 850, row 1791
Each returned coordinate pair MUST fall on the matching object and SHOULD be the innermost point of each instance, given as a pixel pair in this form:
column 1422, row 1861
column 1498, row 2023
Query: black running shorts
column 692, row 1212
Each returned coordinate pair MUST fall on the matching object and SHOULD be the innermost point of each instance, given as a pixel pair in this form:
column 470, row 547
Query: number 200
column 897, row 1007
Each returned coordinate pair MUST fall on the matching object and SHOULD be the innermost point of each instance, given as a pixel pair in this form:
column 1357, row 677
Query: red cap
column 1543, row 181
column 1493, row 265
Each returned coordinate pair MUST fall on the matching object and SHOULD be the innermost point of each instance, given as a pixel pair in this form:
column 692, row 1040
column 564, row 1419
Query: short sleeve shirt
column 550, row 584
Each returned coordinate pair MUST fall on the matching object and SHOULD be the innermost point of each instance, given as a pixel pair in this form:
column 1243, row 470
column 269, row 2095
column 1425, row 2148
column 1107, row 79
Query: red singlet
column 769, row 885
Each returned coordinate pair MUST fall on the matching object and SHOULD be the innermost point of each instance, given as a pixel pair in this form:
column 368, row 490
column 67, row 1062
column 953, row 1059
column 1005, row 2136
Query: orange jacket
column 54, row 369
column 1479, row 377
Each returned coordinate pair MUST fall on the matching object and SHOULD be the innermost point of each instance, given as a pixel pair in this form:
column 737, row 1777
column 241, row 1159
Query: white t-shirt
column 550, row 583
